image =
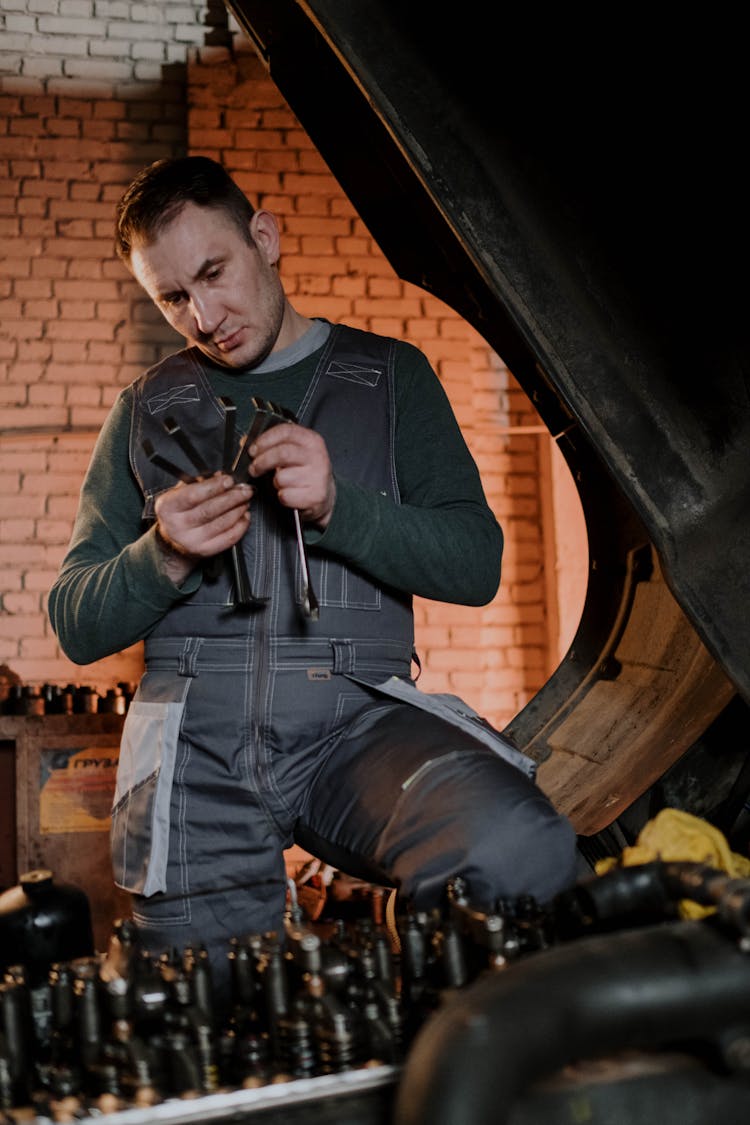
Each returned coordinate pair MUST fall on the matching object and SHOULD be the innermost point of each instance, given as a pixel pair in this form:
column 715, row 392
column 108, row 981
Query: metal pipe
column 675, row 983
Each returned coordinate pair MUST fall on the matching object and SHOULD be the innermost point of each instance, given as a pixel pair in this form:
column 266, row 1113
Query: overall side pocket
column 452, row 709
column 139, row 835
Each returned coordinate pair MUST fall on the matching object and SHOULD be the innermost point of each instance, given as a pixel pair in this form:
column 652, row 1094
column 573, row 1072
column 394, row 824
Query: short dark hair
column 160, row 191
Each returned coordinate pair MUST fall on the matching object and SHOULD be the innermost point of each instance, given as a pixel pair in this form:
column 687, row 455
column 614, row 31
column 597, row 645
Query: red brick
column 38, row 580
column 18, row 626
column 79, row 330
column 69, row 460
column 63, row 508
column 77, row 310
column 23, row 329
column 53, row 531
column 13, row 506
column 9, row 652
column 39, row 653
column 99, row 352
column 20, row 603
column 87, row 416
column 348, row 286
column 35, row 483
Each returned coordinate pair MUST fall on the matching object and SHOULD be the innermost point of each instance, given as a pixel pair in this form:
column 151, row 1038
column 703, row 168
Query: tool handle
column 243, row 594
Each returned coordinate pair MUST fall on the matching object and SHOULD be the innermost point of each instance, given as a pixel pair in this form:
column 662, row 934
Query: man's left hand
column 301, row 467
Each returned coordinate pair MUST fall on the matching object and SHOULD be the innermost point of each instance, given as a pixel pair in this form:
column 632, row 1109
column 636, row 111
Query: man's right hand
column 199, row 520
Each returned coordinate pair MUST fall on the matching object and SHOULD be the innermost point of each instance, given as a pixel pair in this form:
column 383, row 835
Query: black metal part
column 579, row 202
column 651, row 892
column 194, row 456
column 678, row 984
column 230, row 414
column 310, row 606
column 267, row 414
column 257, row 426
column 573, row 229
column 164, row 463
column 270, row 414
column 243, row 593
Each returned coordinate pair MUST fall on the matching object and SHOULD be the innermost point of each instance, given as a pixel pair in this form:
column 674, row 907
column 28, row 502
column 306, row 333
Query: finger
column 221, row 535
column 198, row 492
column 281, row 446
column 284, row 431
column 199, row 502
column 194, row 517
column 207, row 537
column 225, row 504
column 314, row 504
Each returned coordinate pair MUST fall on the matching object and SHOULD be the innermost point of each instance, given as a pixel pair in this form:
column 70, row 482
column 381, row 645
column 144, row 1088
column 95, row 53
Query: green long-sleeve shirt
column 442, row 542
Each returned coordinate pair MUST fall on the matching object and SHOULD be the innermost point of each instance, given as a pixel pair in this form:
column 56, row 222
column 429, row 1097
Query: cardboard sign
column 76, row 789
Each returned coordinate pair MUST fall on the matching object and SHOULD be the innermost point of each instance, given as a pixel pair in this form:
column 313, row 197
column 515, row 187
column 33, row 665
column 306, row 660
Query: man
column 259, row 722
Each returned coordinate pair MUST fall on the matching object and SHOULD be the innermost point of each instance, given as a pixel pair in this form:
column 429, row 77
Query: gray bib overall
column 255, row 726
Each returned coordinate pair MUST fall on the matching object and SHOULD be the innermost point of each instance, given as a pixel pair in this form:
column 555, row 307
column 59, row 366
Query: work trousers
column 224, row 765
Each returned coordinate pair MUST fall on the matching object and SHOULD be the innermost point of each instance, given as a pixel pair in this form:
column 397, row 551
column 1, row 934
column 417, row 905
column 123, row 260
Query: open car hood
column 577, row 196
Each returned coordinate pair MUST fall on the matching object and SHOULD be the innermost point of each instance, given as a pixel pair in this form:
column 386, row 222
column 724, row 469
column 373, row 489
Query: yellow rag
column 677, row 836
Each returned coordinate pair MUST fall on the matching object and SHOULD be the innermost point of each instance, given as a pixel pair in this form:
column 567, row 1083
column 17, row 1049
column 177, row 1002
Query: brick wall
column 89, row 93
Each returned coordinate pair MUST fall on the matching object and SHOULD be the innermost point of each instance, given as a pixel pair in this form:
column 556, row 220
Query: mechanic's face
column 220, row 292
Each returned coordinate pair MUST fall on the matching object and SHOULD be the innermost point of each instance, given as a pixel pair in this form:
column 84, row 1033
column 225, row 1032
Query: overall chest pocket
column 338, row 586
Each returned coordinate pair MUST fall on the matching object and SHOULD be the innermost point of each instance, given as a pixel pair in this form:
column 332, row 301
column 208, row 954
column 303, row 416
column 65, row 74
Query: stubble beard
column 273, row 320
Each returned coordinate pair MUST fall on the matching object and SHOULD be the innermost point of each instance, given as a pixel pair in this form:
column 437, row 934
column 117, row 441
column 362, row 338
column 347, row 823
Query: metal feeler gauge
column 242, row 590
column 267, row 414
column 273, row 415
